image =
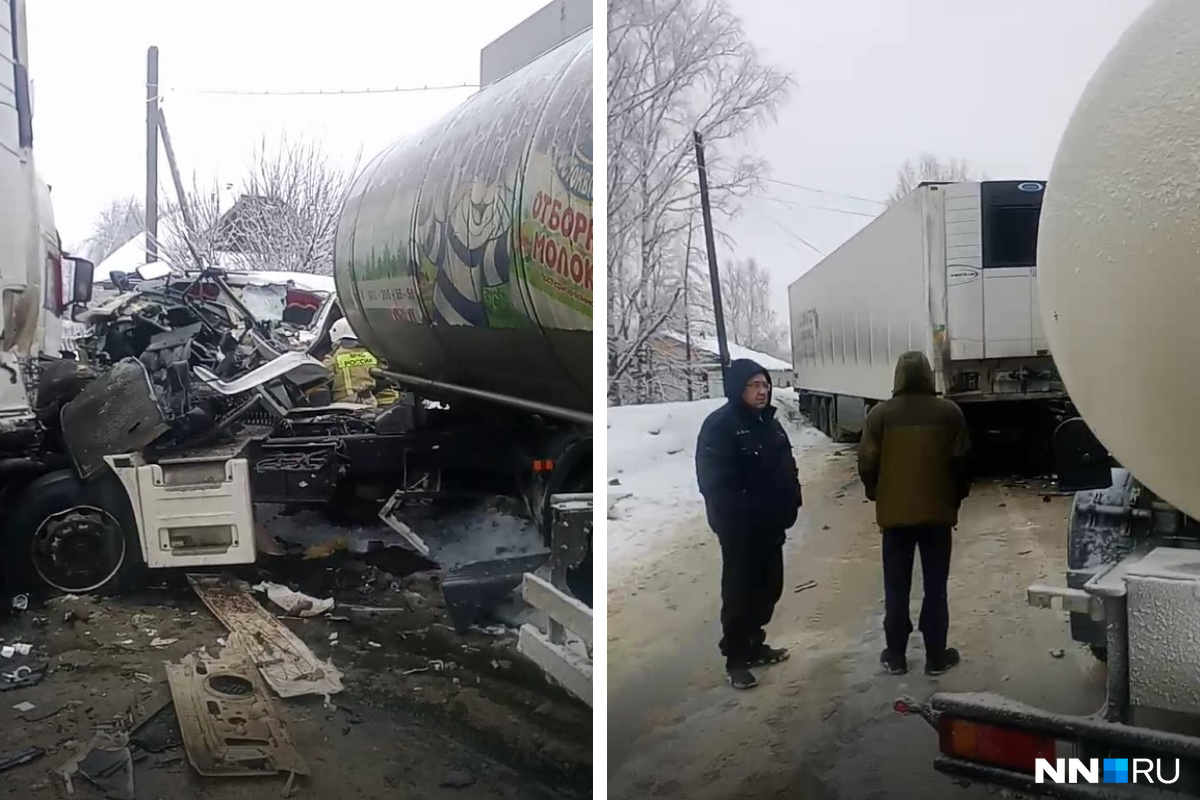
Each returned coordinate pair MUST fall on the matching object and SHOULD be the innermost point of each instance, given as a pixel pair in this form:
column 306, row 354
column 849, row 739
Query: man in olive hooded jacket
column 912, row 461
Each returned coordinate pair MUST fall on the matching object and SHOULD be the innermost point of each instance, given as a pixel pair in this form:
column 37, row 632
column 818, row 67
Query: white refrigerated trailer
column 951, row 270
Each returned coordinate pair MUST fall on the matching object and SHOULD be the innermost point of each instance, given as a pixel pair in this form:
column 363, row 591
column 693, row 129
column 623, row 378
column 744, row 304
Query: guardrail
column 563, row 648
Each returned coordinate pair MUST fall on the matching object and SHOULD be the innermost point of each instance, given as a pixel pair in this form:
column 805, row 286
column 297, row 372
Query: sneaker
column 767, row 655
column 940, row 666
column 741, row 678
column 893, row 664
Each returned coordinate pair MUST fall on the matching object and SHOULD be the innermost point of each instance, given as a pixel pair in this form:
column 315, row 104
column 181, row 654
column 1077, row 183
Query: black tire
column 97, row 512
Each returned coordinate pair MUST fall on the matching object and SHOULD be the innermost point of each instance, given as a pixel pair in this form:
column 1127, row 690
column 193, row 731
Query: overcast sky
column 88, row 65
column 878, row 81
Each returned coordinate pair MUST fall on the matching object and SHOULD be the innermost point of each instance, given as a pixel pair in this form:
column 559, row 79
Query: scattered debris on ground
column 412, row 706
column 227, row 721
column 286, row 663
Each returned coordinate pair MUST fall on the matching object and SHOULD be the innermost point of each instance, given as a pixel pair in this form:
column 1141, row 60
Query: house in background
column 669, row 370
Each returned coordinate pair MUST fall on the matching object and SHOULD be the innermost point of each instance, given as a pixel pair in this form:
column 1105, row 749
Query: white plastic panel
column 1008, row 312
column 195, row 501
column 1164, row 642
column 964, row 261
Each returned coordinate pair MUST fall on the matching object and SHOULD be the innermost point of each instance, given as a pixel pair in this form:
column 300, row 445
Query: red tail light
column 987, row 744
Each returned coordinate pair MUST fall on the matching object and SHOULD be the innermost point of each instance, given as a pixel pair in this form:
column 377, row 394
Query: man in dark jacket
column 912, row 461
column 751, row 488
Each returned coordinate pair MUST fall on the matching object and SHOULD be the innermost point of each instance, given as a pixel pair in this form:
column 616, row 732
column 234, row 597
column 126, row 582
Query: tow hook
column 907, row 707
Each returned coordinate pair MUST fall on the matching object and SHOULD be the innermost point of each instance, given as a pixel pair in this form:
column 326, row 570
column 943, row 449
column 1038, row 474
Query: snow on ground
column 652, row 454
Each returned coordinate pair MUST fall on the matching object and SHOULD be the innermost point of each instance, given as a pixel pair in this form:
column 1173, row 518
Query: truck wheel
column 67, row 536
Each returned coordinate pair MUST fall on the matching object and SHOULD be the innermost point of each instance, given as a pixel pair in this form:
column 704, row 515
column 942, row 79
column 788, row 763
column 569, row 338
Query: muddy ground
column 821, row 726
column 422, row 705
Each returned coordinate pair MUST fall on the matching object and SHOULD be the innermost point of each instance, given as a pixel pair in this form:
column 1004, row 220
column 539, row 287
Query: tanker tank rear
column 1119, row 249
column 464, row 253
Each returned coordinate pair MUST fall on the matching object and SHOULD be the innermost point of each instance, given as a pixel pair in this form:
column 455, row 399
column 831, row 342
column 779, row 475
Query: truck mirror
column 81, row 274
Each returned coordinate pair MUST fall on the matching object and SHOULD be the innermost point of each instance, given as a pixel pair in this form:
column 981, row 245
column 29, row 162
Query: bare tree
column 674, row 66
column 746, row 300
column 930, row 168
column 116, row 225
column 284, row 218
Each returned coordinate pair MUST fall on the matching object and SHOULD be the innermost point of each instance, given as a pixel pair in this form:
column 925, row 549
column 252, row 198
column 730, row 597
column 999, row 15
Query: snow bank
column 652, row 452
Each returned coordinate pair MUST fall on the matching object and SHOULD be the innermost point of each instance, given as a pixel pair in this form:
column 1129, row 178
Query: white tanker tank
column 464, row 254
column 1119, row 250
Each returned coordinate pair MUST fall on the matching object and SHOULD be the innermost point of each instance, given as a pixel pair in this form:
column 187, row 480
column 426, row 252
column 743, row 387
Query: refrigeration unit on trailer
column 950, row 270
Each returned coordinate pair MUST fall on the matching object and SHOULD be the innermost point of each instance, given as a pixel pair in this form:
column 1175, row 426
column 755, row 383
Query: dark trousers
column 751, row 584
column 899, row 545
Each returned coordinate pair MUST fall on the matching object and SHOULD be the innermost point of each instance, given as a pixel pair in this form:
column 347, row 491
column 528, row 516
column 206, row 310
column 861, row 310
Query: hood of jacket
column 913, row 374
column 740, row 372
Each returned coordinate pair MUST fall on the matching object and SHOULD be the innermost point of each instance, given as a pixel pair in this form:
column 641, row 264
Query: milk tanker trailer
column 464, row 261
column 1119, row 251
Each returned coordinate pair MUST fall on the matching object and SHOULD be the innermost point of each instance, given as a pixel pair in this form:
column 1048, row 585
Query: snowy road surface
column 820, row 725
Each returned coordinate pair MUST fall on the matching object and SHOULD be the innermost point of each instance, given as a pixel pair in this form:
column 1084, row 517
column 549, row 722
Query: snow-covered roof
column 709, row 345
column 302, row 280
column 132, row 255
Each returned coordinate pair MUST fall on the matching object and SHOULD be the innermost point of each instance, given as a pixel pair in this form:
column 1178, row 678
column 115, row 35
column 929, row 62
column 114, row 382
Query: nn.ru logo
column 1107, row 770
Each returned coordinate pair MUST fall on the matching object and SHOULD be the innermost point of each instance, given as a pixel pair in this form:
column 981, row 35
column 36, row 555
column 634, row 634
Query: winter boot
column 939, row 666
column 741, row 677
column 767, row 655
column 893, row 664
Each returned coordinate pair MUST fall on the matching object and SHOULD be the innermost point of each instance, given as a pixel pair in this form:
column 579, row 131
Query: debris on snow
column 294, row 603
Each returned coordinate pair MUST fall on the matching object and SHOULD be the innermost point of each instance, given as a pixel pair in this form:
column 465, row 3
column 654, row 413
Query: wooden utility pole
column 687, row 309
column 713, row 275
column 152, row 113
column 188, row 222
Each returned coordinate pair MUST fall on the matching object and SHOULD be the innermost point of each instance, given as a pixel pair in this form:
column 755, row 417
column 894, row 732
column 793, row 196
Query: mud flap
column 473, row 588
column 1080, row 460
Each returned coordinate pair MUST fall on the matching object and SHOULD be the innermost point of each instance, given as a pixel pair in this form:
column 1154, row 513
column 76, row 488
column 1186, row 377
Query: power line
column 795, row 204
column 325, row 92
column 826, row 191
column 795, row 236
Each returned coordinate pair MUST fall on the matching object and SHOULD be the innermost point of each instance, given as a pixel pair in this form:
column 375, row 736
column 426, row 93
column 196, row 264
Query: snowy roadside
column 651, row 456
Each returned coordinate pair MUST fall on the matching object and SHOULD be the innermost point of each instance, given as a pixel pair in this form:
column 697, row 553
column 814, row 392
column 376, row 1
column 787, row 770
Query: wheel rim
column 78, row 550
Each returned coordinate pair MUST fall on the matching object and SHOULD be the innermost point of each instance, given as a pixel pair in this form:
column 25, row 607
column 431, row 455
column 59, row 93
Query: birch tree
column 285, row 216
column 749, row 318
column 116, row 225
column 928, row 167
column 674, row 66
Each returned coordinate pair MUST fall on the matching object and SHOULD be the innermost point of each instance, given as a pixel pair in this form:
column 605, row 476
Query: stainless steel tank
column 1119, row 253
column 464, row 253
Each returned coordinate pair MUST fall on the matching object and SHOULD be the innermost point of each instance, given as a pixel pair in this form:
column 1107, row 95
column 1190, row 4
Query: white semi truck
column 951, row 271
column 1119, row 258
column 38, row 284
